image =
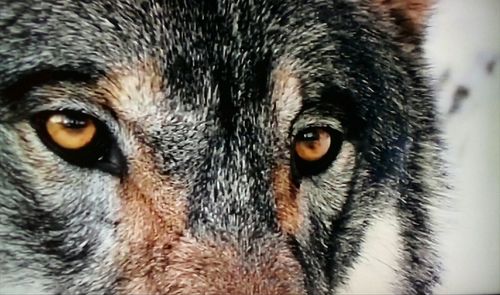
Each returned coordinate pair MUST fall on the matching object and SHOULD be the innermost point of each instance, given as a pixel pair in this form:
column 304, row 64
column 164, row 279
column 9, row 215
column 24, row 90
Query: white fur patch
column 375, row 270
column 286, row 97
column 12, row 284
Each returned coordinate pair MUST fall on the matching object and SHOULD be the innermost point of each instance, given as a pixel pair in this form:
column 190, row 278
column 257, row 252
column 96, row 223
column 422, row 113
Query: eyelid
column 51, row 88
column 37, row 104
column 307, row 122
column 28, row 80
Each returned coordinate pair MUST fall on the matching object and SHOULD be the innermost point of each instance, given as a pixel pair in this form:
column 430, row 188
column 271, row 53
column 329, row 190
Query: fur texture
column 203, row 100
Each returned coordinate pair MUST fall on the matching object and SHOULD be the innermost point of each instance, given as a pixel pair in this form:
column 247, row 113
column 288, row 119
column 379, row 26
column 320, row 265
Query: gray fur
column 58, row 221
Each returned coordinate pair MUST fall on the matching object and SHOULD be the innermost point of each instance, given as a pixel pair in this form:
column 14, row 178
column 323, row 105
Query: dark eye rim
column 303, row 168
column 101, row 153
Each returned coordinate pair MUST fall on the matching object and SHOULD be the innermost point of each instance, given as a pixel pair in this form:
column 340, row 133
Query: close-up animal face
column 212, row 147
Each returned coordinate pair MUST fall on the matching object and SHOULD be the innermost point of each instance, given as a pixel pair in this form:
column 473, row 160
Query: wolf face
column 199, row 147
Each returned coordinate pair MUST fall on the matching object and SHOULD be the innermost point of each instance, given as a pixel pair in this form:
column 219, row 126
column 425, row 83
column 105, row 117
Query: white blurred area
column 463, row 48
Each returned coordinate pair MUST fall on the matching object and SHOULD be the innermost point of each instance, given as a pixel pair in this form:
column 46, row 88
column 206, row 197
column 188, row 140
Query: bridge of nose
column 232, row 215
column 233, row 244
column 234, row 194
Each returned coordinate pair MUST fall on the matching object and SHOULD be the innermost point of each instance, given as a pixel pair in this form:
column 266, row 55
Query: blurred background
column 463, row 48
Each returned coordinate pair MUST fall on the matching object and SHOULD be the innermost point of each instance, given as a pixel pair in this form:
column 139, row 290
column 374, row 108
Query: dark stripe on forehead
column 225, row 74
column 234, row 185
column 232, row 189
column 217, row 45
column 242, row 91
column 237, row 165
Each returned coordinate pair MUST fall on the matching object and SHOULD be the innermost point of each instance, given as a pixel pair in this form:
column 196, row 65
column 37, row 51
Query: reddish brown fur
column 133, row 91
column 215, row 268
column 411, row 14
column 157, row 258
column 153, row 209
column 287, row 203
column 287, row 102
column 153, row 217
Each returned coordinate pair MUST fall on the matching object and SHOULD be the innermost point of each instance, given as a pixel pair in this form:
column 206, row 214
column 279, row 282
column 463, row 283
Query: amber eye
column 315, row 148
column 80, row 139
column 313, row 145
column 70, row 133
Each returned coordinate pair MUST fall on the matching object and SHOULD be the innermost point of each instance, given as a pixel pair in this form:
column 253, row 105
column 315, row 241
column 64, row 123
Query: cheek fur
column 286, row 198
column 153, row 218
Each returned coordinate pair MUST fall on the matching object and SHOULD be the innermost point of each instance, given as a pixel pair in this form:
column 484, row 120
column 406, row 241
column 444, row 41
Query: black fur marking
column 227, row 108
column 47, row 231
column 45, row 76
column 300, row 255
column 344, row 242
